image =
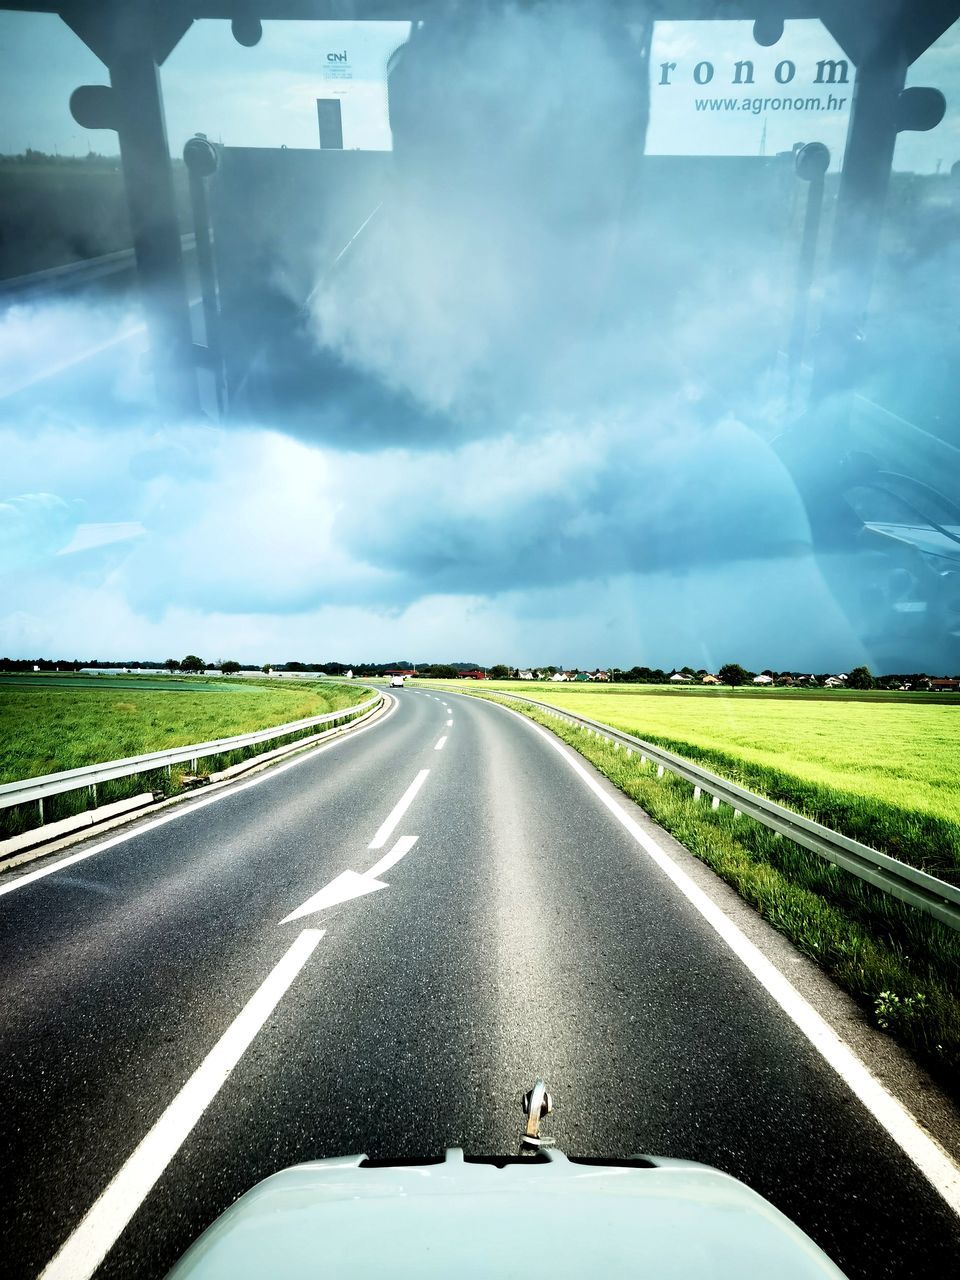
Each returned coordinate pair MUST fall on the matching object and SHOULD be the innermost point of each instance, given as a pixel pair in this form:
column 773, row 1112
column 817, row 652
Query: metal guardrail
column 75, row 275
column 918, row 888
column 52, row 784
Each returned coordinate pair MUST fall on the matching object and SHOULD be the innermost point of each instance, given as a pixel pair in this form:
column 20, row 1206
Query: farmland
column 884, row 770
column 46, row 727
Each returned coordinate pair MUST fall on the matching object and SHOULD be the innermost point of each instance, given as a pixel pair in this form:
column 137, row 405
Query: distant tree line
column 90, row 160
column 732, row 674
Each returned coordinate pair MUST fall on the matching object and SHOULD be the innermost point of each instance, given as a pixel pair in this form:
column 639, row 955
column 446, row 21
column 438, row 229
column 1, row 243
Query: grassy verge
column 900, row 966
column 48, row 730
column 884, row 773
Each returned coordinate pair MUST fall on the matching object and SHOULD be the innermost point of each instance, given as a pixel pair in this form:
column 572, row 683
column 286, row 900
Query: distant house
column 400, row 671
column 527, row 675
column 936, row 685
column 601, row 675
column 806, row 679
column 348, row 674
column 681, row 677
column 471, row 675
column 763, row 679
column 711, row 680
column 581, row 677
column 559, row 676
column 834, row 682
column 786, row 681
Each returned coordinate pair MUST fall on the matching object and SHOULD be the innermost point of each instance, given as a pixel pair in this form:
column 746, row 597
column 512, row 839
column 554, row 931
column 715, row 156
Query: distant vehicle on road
column 396, row 682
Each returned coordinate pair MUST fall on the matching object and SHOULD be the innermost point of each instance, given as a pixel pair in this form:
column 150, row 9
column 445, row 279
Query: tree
column 192, row 663
column 500, row 671
column 266, row 668
column 443, row 671
column 860, row 678
column 229, row 667
column 172, row 665
column 732, row 673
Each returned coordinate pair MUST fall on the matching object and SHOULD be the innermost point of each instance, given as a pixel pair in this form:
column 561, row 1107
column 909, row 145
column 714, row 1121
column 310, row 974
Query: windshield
column 597, row 358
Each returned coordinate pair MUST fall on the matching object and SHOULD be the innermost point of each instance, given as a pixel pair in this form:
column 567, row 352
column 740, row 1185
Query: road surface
column 521, row 932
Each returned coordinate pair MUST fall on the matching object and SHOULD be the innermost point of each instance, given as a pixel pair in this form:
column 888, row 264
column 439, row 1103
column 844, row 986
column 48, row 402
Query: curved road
column 522, row 933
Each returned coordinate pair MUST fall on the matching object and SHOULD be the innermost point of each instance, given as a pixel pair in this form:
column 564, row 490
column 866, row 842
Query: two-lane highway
column 377, row 948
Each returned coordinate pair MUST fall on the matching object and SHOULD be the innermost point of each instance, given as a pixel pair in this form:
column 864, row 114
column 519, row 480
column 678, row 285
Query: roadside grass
column 901, row 967
column 51, row 729
column 885, row 774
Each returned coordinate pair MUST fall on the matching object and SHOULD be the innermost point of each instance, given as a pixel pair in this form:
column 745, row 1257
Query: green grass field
column 884, row 771
column 44, row 729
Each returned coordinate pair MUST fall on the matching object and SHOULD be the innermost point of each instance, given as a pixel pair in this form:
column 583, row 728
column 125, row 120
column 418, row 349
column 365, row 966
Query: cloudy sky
column 544, row 433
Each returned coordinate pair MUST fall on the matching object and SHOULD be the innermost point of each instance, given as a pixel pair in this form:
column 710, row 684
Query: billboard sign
column 715, row 91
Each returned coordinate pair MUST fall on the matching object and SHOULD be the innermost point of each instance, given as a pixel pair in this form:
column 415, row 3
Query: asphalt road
column 524, row 933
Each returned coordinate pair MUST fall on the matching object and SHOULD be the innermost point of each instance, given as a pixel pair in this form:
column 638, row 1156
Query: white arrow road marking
column 84, row 1250
column 350, row 884
column 441, row 743
column 347, row 885
column 399, row 850
column 398, row 810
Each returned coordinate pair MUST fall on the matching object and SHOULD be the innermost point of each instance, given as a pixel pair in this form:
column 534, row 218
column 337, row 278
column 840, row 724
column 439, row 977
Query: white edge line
column 20, row 881
column 921, row 1147
column 399, row 850
column 87, row 1246
column 441, row 743
column 386, row 828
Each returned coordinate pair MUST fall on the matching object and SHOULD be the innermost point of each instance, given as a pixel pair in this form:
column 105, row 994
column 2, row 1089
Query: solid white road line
column 189, row 808
column 84, row 1250
column 926, row 1153
column 399, row 850
column 399, row 809
column 441, row 743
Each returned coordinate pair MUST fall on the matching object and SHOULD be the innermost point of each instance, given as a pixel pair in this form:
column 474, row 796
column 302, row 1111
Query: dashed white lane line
column 191, row 806
column 441, row 743
column 925, row 1152
column 449, row 724
column 84, row 1250
column 399, row 809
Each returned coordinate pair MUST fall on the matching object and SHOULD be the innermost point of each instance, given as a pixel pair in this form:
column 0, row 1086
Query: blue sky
column 576, row 492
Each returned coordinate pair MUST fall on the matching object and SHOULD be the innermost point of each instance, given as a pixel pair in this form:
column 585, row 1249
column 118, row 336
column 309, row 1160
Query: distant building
column 681, row 677
column 711, row 680
column 763, row 679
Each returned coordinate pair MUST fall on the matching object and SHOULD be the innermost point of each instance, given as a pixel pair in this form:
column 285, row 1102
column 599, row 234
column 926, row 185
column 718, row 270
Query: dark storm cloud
column 563, row 507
